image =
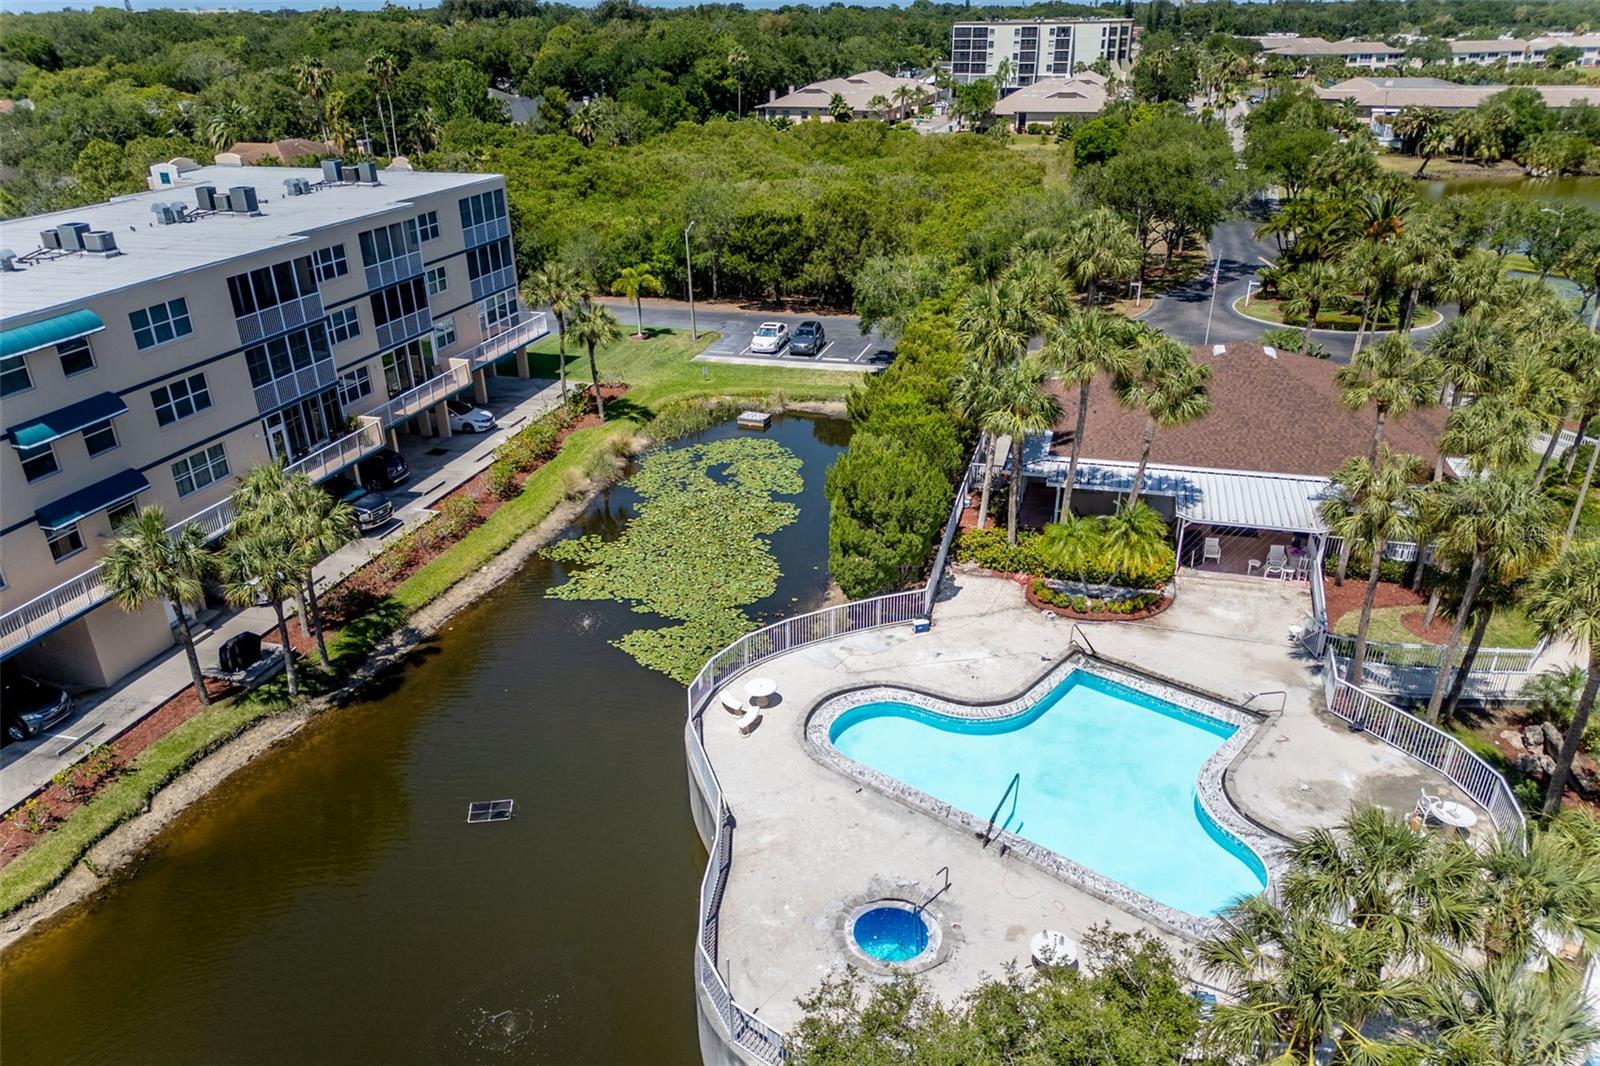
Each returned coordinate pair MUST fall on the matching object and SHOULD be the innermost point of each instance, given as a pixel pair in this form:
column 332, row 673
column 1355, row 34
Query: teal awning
column 70, row 419
column 51, row 331
column 101, row 496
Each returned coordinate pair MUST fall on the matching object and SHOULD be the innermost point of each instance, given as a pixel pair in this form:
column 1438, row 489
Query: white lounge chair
column 1212, row 552
column 1277, row 561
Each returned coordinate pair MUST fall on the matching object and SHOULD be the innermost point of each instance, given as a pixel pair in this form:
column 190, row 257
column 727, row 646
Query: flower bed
column 1128, row 608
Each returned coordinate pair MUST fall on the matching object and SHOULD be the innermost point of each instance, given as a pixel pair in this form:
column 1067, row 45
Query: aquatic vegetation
column 696, row 550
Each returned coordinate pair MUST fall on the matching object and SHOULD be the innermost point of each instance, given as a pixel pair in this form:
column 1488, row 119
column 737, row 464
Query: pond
column 330, row 904
column 1585, row 191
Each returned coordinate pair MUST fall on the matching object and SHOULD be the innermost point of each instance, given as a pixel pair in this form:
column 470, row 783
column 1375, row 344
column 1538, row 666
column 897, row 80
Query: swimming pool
column 1106, row 778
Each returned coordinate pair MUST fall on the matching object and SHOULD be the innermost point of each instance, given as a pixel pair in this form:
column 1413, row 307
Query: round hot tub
column 893, row 935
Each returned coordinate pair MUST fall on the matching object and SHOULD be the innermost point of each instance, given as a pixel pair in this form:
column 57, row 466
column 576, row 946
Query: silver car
column 770, row 338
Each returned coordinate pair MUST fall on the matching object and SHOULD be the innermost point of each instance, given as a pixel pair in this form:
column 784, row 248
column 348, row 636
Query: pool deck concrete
column 809, row 843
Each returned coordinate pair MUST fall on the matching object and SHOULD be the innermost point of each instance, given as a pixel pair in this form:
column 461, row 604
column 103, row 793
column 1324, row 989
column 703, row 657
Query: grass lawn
column 659, row 371
column 1264, row 309
column 1519, row 263
column 1509, row 628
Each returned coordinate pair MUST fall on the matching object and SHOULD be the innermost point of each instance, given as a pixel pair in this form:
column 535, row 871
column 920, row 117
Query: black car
column 384, row 469
column 809, row 338
column 29, row 706
column 372, row 510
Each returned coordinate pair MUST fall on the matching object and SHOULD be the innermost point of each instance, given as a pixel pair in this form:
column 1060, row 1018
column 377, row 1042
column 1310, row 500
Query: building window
column 14, row 376
column 179, row 399
column 75, row 356
column 498, row 312
column 331, row 263
column 344, row 324
column 444, row 334
column 122, row 514
column 398, row 301
column 354, row 385
column 195, row 472
column 428, row 225
column 388, row 243
column 488, row 259
column 270, row 286
column 64, row 542
column 407, row 366
column 160, row 324
column 100, row 437
column 484, row 207
column 438, row 283
column 37, row 462
column 283, row 356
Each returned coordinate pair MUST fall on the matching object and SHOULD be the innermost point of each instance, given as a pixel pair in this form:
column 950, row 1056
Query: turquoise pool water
column 1107, row 780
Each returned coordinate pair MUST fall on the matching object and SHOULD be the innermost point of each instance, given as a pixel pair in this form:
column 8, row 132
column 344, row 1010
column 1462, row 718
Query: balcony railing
column 270, row 321
column 386, row 273
column 413, row 402
column 314, row 378
column 330, row 459
column 484, row 232
column 492, row 282
column 397, row 331
column 531, row 328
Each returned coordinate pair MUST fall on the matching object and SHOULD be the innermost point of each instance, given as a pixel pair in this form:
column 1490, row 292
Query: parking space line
column 825, row 348
column 862, row 352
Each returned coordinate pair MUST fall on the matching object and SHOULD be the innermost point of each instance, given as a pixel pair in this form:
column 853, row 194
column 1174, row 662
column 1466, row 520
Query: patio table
column 761, row 690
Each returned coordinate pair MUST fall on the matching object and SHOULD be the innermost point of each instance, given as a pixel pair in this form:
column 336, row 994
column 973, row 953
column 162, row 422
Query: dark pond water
column 1585, row 191
column 329, row 904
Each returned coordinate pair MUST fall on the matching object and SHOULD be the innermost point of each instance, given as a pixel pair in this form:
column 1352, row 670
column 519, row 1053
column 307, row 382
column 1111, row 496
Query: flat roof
column 151, row 252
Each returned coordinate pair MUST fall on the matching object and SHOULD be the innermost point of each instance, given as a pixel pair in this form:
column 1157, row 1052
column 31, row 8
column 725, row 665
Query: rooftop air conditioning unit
column 242, row 200
column 163, row 213
column 72, row 235
column 367, row 173
column 8, row 260
column 205, row 196
column 180, row 211
column 101, row 242
column 50, row 238
column 291, row 187
column 332, row 172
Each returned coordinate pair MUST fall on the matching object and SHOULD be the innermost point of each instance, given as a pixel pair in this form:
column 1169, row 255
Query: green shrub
column 458, row 515
column 1046, row 594
column 988, row 548
column 502, row 479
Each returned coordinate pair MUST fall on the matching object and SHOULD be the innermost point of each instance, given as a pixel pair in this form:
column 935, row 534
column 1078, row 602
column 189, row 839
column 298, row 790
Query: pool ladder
column 1013, row 790
column 936, row 893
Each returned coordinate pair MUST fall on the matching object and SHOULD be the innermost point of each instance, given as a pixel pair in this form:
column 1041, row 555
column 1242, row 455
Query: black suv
column 372, row 510
column 809, row 338
column 384, row 469
column 29, row 705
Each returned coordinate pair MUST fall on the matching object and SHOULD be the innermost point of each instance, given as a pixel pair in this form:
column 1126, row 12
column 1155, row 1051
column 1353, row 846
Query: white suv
column 770, row 337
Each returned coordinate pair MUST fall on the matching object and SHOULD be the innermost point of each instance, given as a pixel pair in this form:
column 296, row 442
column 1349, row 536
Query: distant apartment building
column 870, row 94
column 1354, row 53
column 1379, row 100
column 155, row 347
column 1036, row 48
column 1511, row 52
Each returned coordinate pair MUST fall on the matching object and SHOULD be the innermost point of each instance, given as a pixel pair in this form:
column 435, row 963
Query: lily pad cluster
column 696, row 550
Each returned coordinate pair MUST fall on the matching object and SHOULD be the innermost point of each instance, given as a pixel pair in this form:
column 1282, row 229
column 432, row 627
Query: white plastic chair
column 1212, row 552
column 1277, row 561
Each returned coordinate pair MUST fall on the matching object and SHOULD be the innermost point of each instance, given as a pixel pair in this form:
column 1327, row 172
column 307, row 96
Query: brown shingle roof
column 1277, row 415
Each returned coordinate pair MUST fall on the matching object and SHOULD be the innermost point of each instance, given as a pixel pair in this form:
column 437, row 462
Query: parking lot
column 846, row 348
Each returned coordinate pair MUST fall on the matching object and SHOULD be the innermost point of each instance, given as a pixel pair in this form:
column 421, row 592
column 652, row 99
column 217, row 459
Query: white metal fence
column 1428, row 745
column 751, row 1033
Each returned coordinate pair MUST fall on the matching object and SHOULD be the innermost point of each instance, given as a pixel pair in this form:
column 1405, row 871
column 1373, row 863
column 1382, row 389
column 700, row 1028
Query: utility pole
column 688, row 266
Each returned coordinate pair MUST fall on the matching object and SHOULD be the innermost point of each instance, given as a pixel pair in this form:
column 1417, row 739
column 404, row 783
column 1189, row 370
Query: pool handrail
column 750, row 1033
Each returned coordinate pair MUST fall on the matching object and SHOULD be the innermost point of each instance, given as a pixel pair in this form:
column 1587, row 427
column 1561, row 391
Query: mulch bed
column 55, row 801
column 1345, row 600
column 352, row 597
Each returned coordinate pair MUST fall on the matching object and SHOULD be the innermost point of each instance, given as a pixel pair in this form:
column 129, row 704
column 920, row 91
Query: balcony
column 381, row 275
column 314, row 378
column 397, row 331
column 484, row 232
column 272, row 321
column 493, row 282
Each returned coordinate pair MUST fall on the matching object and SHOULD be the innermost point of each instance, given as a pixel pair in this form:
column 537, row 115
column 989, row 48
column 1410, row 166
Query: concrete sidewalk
column 438, row 466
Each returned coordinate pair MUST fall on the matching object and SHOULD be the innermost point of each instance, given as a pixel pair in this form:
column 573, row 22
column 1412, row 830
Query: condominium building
column 1036, row 48
column 1354, row 53
column 156, row 347
column 1512, row 52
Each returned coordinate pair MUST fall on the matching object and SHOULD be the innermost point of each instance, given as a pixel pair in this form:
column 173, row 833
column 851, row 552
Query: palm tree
column 1414, row 125
column 1307, row 288
column 584, row 122
column 1017, row 407
column 1041, row 294
column 1420, row 258
column 1135, row 539
column 313, row 78
column 264, row 564
column 904, row 95
column 1491, row 433
column 1588, row 473
column 1541, row 892
column 973, row 396
column 1392, row 377
column 991, row 324
column 146, row 563
column 1374, row 503
column 227, row 124
column 1471, row 279
column 1101, row 247
column 1506, row 1014
column 1168, row 386
column 634, row 282
column 879, row 105
column 561, row 288
column 1071, row 545
column 384, row 70
column 738, row 60
column 1088, row 344
column 838, row 109
column 1564, row 600
column 1466, row 350
column 1500, row 523
column 592, row 326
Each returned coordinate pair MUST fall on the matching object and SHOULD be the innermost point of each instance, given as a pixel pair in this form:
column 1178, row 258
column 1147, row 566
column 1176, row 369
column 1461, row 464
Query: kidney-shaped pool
column 1106, row 778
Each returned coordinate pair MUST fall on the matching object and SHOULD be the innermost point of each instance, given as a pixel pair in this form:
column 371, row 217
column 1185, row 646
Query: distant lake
column 1585, row 191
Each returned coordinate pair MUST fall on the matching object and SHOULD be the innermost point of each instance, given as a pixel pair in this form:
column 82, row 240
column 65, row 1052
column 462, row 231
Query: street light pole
column 688, row 266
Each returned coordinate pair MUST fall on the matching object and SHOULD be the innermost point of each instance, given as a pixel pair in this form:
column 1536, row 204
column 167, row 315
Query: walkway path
column 27, row 766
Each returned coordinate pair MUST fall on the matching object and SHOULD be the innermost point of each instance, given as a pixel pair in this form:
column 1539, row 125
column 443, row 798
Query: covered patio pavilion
column 1225, row 521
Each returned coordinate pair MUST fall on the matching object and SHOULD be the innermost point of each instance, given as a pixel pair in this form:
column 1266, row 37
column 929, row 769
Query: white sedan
column 465, row 418
column 770, row 337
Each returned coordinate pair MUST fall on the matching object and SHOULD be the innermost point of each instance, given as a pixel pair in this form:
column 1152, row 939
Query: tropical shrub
column 1046, row 593
column 1094, row 564
column 457, row 516
column 502, row 478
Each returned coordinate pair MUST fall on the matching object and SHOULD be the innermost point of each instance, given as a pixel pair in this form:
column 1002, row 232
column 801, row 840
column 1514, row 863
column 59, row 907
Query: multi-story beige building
column 1036, row 48
column 155, row 347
